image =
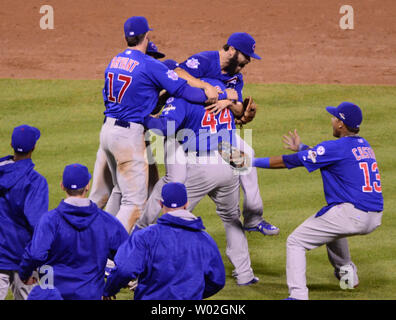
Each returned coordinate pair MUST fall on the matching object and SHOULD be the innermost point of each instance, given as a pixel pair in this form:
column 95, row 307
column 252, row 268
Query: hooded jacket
column 23, row 200
column 76, row 243
column 173, row 260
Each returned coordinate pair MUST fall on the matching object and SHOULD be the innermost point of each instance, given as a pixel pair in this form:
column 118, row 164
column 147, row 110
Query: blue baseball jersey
column 133, row 81
column 195, row 127
column 349, row 171
column 206, row 64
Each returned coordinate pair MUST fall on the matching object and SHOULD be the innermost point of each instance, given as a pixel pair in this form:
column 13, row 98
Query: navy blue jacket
column 173, row 260
column 23, row 200
column 76, row 242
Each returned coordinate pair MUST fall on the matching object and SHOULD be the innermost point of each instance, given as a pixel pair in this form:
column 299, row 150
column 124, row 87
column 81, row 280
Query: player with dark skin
column 353, row 192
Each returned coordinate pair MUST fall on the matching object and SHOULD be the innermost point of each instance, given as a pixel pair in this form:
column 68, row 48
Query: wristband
column 261, row 162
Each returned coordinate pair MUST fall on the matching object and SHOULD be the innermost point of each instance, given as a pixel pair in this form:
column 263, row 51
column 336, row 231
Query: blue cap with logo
column 135, row 26
column 24, row 138
column 244, row 43
column 174, row 195
column 348, row 113
column 75, row 176
column 152, row 51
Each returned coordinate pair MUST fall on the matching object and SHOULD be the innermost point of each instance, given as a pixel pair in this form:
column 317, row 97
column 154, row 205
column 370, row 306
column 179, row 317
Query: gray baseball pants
column 175, row 164
column 213, row 177
column 10, row 279
column 125, row 151
column 252, row 211
column 103, row 193
column 175, row 171
column 331, row 229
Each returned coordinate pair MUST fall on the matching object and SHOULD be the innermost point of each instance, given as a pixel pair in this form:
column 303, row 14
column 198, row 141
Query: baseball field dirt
column 300, row 41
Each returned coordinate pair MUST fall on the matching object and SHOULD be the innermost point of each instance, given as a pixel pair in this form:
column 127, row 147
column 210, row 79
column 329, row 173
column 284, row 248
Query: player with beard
column 226, row 65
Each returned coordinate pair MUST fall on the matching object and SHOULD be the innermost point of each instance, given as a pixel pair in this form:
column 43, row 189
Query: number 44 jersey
column 349, row 171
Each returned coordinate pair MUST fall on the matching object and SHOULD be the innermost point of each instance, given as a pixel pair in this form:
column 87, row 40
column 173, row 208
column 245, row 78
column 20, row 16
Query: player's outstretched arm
column 293, row 142
column 269, row 163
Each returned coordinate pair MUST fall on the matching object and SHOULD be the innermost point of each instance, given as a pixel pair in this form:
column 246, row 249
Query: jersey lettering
column 110, row 96
column 126, row 82
column 123, row 63
column 210, row 121
column 225, row 117
column 367, row 183
column 363, row 153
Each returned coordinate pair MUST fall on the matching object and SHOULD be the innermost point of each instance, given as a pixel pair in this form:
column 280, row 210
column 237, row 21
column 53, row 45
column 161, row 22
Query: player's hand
column 232, row 94
column 109, row 298
column 212, row 94
column 292, row 141
column 217, row 107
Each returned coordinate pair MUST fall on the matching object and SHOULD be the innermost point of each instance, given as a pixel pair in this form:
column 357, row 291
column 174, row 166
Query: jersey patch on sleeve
column 312, row 156
column 320, row 150
column 172, row 75
column 192, row 63
column 168, row 107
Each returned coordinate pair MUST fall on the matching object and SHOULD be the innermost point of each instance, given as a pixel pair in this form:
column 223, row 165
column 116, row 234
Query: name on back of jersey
column 361, row 153
column 123, row 63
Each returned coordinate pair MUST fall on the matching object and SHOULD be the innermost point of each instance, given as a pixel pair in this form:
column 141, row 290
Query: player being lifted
column 127, row 104
column 206, row 174
column 226, row 65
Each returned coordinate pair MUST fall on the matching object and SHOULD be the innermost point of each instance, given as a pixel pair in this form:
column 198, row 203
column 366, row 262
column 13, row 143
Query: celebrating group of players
column 203, row 102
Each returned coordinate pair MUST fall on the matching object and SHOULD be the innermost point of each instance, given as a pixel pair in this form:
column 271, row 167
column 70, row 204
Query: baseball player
column 133, row 81
column 200, row 131
column 177, row 242
column 103, row 193
column 23, row 200
column 353, row 192
column 226, row 65
column 75, row 240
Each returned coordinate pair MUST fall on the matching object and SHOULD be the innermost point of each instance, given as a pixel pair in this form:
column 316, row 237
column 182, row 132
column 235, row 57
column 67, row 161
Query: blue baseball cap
column 24, row 138
column 348, row 113
column 135, row 26
column 152, row 51
column 174, row 195
column 243, row 42
column 171, row 64
column 75, row 176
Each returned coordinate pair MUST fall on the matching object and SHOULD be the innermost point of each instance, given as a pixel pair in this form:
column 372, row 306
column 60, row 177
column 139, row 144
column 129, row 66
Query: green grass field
column 69, row 115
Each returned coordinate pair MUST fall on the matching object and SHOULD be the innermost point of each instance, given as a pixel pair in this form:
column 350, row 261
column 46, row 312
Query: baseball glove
column 236, row 158
column 249, row 111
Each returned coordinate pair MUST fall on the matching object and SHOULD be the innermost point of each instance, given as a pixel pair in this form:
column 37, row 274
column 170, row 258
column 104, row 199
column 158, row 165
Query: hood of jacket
column 179, row 222
column 79, row 218
column 11, row 173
